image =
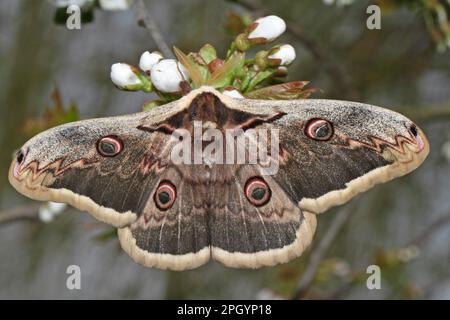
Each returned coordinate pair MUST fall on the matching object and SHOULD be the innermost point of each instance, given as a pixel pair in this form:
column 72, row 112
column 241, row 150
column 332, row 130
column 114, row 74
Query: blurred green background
column 402, row 226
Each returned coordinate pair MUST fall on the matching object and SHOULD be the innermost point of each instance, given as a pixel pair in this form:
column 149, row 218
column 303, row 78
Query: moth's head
column 85, row 144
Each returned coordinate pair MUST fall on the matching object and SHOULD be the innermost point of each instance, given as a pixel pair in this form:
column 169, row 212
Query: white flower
column 285, row 53
column 167, row 74
column 122, row 75
column 341, row 268
column 232, row 92
column 269, row 28
column 115, row 4
column 49, row 210
column 67, row 3
column 148, row 60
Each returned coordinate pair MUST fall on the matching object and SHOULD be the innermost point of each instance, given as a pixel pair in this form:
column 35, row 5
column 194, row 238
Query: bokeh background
column 402, row 226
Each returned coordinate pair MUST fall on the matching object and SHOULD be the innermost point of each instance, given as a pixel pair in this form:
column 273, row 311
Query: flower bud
column 282, row 55
column 242, row 43
column 232, row 92
column 114, row 5
column 281, row 71
column 68, row 3
column 123, row 76
column 215, row 64
column 167, row 74
column 261, row 60
column 266, row 29
column 148, row 60
column 49, row 210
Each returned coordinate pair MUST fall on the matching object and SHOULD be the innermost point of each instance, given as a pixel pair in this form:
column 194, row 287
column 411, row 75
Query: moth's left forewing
column 65, row 164
column 369, row 145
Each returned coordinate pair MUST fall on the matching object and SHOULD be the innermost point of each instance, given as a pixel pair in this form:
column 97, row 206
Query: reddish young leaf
column 192, row 68
column 284, row 91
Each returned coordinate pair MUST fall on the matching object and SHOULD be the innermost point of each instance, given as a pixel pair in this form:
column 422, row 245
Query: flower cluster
column 260, row 77
column 104, row 4
column 87, row 8
column 155, row 74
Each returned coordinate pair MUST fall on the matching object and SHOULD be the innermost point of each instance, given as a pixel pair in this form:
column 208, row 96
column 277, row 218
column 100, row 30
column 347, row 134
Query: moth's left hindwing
column 178, row 216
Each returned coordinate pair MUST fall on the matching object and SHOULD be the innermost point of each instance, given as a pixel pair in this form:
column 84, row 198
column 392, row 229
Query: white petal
column 269, row 27
column 184, row 72
column 286, row 54
column 49, row 210
column 341, row 268
column 148, row 60
column 45, row 215
column 167, row 74
column 67, row 3
column 122, row 75
column 115, row 4
column 56, row 207
column 233, row 93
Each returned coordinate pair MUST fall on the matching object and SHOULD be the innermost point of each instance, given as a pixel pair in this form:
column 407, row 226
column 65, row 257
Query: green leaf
column 201, row 65
column 151, row 104
column 285, row 91
column 246, row 79
column 208, row 53
column 191, row 66
column 258, row 78
column 167, row 97
column 236, row 23
column 224, row 75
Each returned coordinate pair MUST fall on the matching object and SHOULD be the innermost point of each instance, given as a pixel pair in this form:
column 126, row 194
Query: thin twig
column 427, row 113
column 28, row 212
column 324, row 60
column 146, row 20
column 318, row 253
column 421, row 238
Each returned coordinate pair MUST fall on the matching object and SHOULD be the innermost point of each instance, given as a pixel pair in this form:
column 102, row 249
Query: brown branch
column 324, row 60
column 146, row 20
column 422, row 237
column 318, row 253
column 29, row 212
column 427, row 113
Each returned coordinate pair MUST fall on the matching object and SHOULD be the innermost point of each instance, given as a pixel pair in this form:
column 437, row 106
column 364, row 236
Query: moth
column 173, row 215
